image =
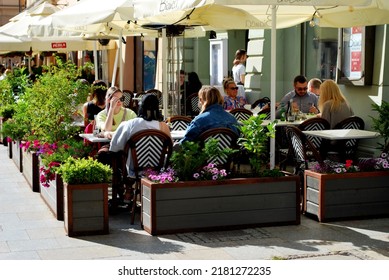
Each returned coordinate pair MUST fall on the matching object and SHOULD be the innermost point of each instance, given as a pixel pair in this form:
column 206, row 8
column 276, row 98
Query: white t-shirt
column 124, row 132
column 237, row 71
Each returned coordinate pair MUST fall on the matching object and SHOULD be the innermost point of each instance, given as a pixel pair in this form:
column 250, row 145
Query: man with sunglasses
column 303, row 100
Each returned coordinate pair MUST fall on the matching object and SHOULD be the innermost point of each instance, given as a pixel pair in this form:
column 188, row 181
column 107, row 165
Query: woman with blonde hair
column 333, row 105
column 231, row 99
column 212, row 115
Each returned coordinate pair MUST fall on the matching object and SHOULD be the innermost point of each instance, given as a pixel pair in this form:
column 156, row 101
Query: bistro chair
column 241, row 114
column 316, row 123
column 135, row 103
column 260, row 102
column 149, row 148
column 346, row 149
column 265, row 111
column 128, row 95
column 227, row 138
column 192, row 106
column 179, row 122
column 157, row 93
column 303, row 151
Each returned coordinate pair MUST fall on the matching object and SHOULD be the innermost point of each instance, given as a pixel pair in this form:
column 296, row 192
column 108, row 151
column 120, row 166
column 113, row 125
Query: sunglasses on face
column 301, row 88
column 234, row 88
column 122, row 98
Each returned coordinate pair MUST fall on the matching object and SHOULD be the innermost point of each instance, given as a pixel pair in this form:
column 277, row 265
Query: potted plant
column 210, row 198
column 381, row 123
column 344, row 191
column 6, row 112
column 86, row 183
column 351, row 190
column 51, row 156
column 16, row 129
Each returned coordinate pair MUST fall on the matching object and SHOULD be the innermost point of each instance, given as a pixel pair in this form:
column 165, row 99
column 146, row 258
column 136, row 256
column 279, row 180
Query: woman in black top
column 97, row 102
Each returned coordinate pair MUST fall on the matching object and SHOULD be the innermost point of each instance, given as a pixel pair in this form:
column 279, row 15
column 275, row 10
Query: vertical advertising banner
column 356, row 53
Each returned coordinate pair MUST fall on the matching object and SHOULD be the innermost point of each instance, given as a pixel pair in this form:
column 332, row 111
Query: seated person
column 97, row 102
column 332, row 104
column 304, row 100
column 149, row 118
column 114, row 113
column 212, row 115
column 232, row 100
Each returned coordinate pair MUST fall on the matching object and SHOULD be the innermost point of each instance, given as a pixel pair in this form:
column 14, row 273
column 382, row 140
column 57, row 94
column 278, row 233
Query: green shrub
column 84, row 171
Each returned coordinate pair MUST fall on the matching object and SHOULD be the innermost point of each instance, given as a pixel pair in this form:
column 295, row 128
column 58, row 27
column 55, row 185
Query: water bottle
column 290, row 113
column 96, row 130
column 282, row 113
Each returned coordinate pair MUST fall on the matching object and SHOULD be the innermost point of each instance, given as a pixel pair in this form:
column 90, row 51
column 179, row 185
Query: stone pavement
column 29, row 231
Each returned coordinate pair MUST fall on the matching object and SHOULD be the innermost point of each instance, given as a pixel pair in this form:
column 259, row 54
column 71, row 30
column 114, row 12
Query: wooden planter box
column 17, row 154
column 53, row 197
column 3, row 138
column 86, row 209
column 344, row 196
column 9, row 148
column 31, row 169
column 210, row 205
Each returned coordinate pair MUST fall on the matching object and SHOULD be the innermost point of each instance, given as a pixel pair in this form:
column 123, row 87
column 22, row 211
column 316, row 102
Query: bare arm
column 84, row 113
column 164, row 128
column 109, row 121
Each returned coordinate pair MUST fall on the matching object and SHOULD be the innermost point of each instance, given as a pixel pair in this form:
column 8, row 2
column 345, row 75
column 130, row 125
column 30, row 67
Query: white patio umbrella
column 100, row 19
column 268, row 13
column 16, row 35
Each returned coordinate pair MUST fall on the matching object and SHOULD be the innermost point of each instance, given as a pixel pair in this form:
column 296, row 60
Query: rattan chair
column 316, row 123
column 241, row 114
column 192, row 106
column 260, row 102
column 149, row 148
column 179, row 122
column 346, row 149
column 303, row 152
column 227, row 138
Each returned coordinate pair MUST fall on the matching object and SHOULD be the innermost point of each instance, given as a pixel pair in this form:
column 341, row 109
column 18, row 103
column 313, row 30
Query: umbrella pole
column 273, row 80
column 164, row 73
column 115, row 68
column 120, row 61
column 95, row 60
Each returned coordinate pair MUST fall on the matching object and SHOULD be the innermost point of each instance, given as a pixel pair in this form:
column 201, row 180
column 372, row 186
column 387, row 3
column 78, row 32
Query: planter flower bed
column 347, row 191
column 208, row 205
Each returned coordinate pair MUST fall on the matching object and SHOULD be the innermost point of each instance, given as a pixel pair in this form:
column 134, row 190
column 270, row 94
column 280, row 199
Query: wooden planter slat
column 349, row 195
column 17, row 155
column 208, row 205
column 86, row 209
column 31, row 170
column 53, row 197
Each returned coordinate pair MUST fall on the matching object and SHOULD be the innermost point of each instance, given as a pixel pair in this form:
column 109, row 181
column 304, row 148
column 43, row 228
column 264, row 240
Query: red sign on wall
column 356, row 61
column 58, row 45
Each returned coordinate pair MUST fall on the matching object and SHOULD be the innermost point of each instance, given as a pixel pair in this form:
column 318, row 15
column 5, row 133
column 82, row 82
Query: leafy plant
column 84, row 171
column 13, row 86
column 381, row 123
column 192, row 157
column 7, row 111
column 255, row 139
column 53, row 155
column 52, row 101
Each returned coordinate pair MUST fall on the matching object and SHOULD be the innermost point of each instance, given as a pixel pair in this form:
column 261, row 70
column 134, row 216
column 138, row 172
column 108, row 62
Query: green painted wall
column 289, row 63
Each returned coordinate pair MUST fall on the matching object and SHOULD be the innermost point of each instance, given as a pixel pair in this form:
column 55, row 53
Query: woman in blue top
column 212, row 115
